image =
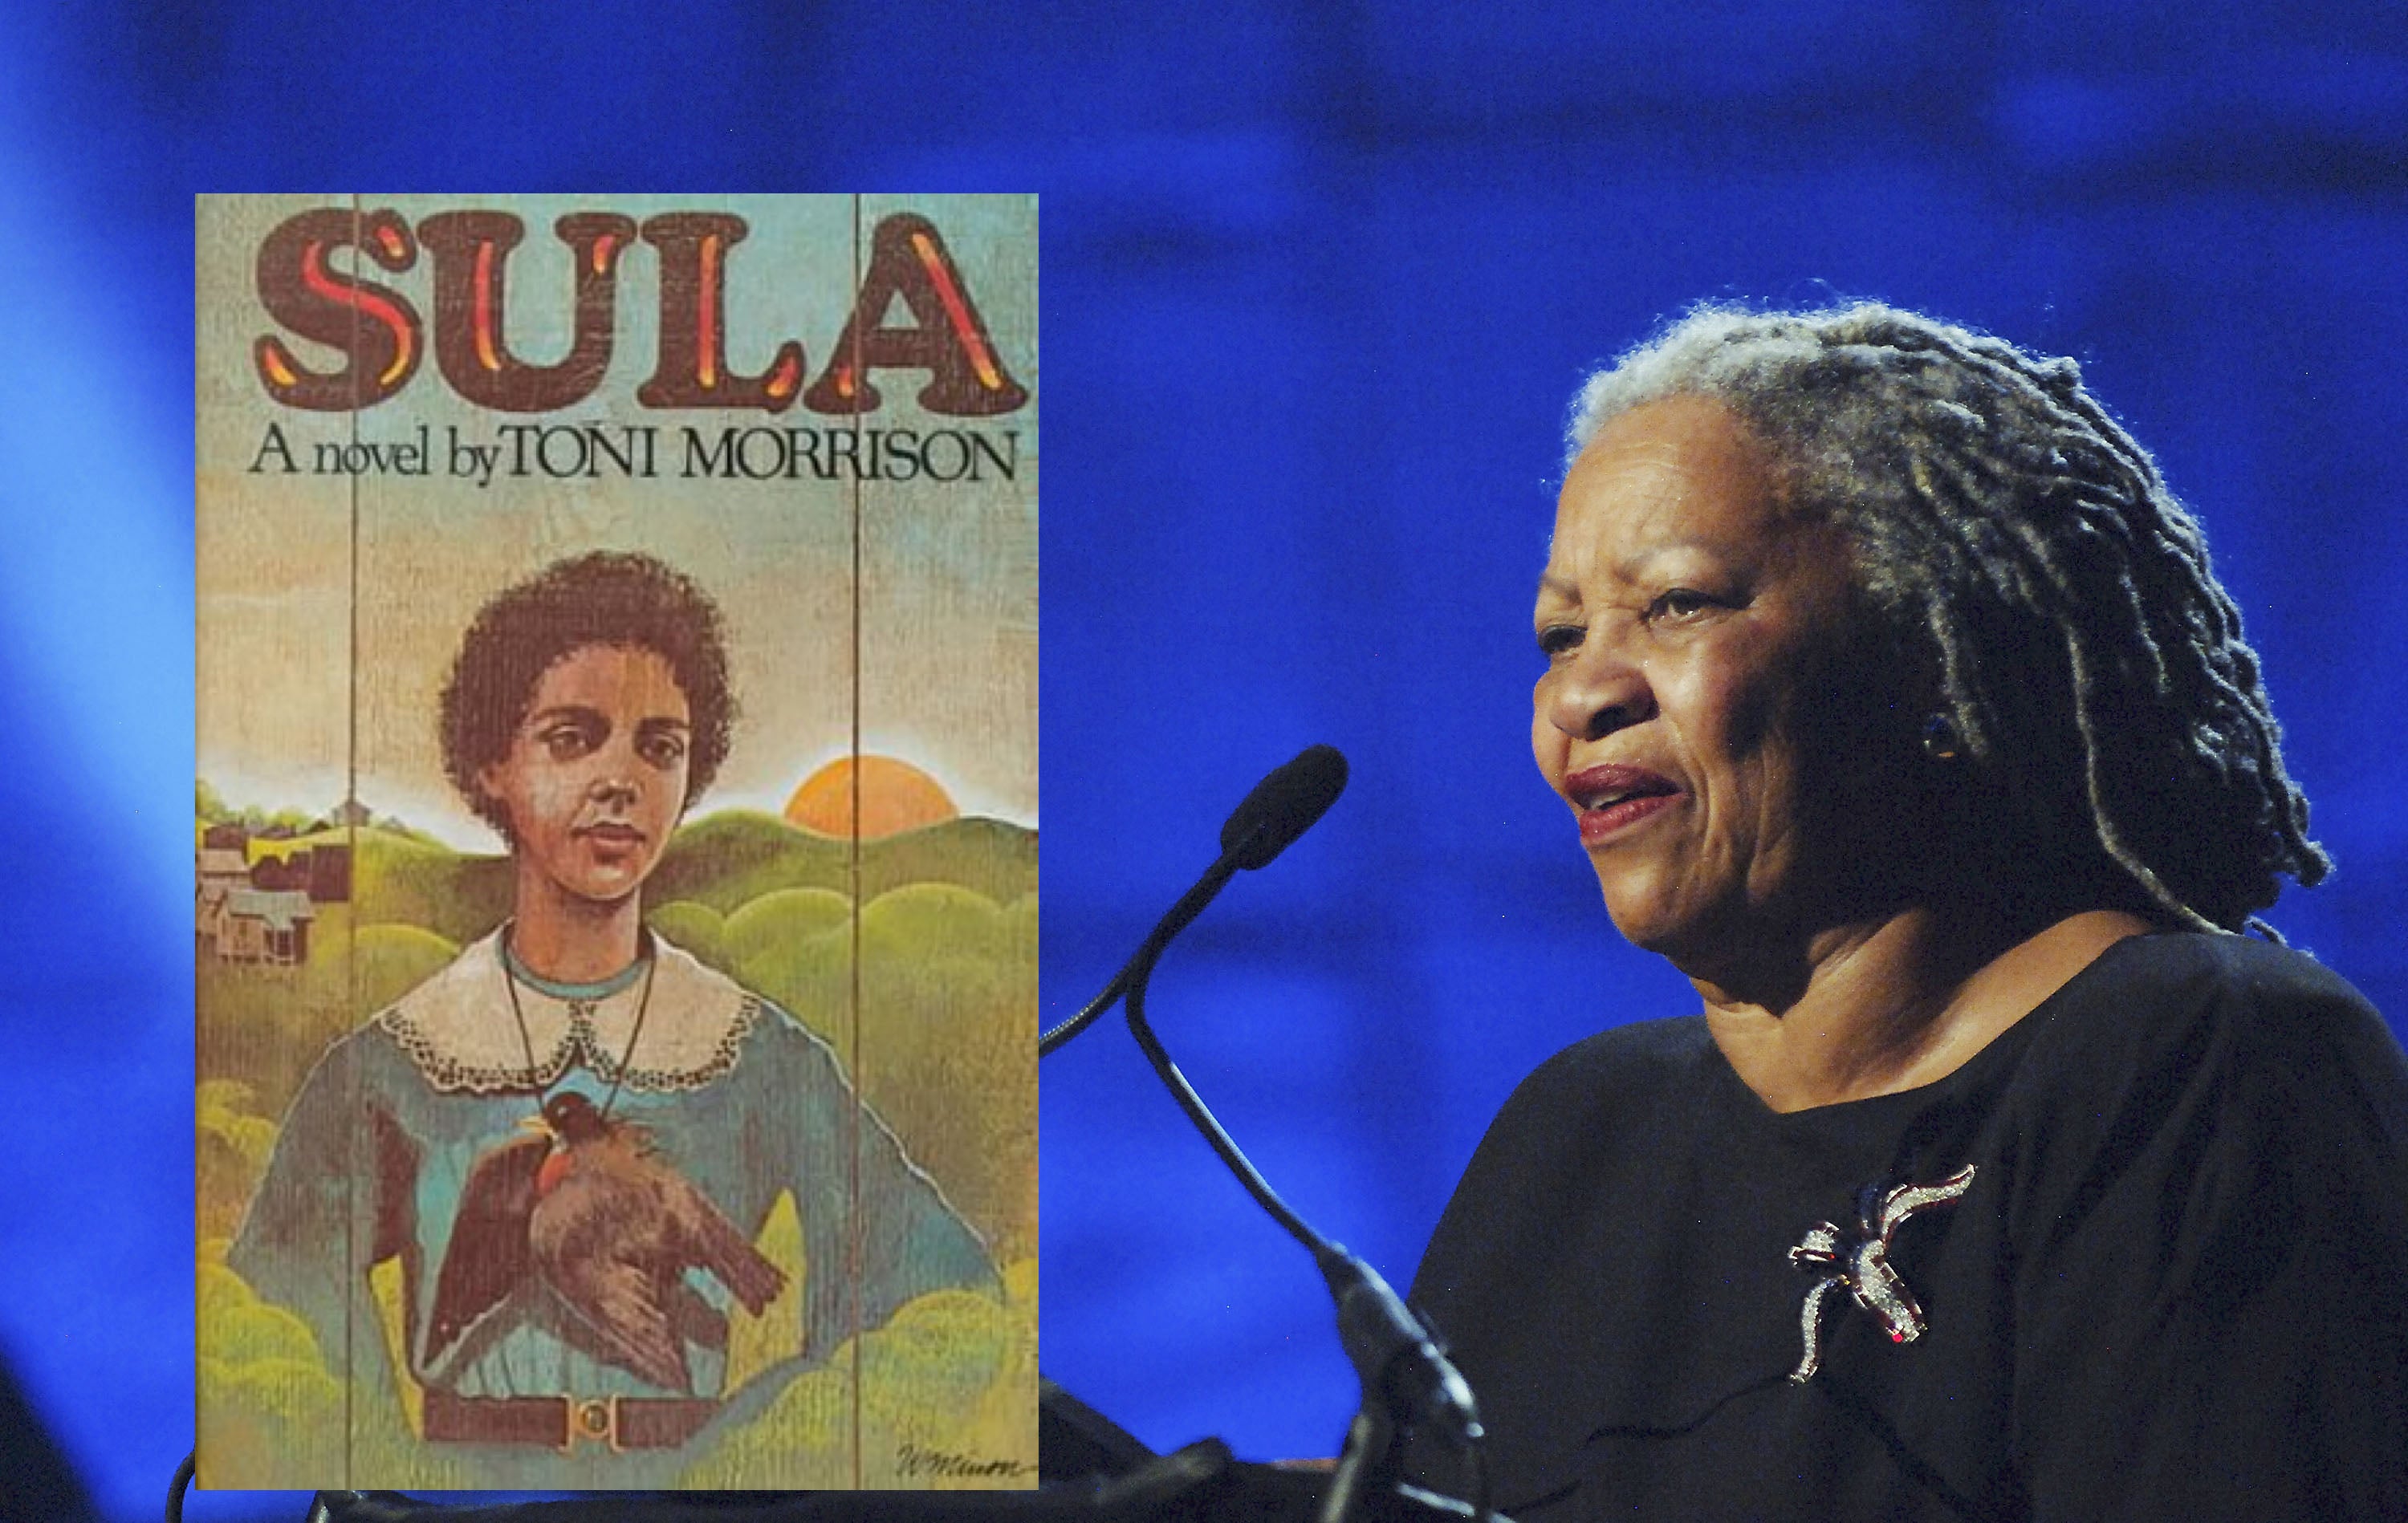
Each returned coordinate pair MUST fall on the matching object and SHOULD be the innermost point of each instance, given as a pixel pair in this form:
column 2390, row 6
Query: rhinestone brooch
column 1860, row 1261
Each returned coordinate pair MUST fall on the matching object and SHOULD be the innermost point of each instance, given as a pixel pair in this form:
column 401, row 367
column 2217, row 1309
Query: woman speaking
column 2002, row 1175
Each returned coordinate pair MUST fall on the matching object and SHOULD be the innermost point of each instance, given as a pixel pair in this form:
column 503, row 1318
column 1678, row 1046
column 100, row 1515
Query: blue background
column 1318, row 282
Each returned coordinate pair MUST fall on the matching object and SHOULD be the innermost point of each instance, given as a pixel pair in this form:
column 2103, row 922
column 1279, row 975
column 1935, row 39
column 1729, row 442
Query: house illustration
column 261, row 911
column 256, row 925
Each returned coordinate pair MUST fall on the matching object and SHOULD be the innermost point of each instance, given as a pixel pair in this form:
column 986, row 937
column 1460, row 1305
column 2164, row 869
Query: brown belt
column 562, row 1422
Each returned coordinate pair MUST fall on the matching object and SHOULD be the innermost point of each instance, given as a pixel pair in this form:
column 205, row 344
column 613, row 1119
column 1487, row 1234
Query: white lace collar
column 458, row 1029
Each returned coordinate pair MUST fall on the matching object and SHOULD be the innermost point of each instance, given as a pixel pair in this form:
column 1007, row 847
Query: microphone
column 1284, row 807
column 1266, row 822
column 1401, row 1364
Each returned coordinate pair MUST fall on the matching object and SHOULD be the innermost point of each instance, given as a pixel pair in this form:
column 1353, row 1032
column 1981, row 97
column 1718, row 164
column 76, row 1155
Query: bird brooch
column 586, row 1207
column 1860, row 1261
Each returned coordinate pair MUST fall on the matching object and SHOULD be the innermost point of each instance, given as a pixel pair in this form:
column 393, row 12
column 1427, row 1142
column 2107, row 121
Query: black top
column 2176, row 1286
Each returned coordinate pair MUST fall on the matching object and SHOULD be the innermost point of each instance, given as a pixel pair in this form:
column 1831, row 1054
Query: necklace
column 635, row 1033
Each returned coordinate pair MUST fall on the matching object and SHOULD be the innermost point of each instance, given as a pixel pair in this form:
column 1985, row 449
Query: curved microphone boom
column 1266, row 822
column 1406, row 1375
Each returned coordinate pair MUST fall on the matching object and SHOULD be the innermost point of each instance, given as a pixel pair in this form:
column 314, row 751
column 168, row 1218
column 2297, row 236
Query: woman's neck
column 561, row 937
column 1896, row 1004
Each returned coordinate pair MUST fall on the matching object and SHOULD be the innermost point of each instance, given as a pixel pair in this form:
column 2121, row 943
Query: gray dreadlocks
column 2020, row 545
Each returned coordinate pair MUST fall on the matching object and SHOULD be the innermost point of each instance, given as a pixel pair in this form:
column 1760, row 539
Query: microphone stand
column 1405, row 1375
column 1406, row 1378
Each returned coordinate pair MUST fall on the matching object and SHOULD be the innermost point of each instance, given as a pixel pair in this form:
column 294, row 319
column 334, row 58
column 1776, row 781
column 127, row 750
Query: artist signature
column 917, row 1460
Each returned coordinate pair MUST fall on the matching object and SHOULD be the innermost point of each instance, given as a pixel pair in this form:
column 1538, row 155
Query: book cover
column 615, row 840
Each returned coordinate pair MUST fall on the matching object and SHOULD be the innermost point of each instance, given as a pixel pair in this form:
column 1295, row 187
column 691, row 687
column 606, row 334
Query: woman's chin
column 1641, row 905
column 1645, row 922
column 604, row 891
column 1680, row 930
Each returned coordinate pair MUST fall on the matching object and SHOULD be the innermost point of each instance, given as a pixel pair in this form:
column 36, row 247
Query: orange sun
column 896, row 796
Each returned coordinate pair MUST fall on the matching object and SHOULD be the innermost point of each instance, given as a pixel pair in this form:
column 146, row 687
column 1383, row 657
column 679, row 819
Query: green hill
column 730, row 858
column 397, row 880
column 724, row 861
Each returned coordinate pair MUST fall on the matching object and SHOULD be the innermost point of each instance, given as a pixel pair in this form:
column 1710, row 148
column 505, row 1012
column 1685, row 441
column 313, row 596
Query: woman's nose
column 1596, row 693
column 615, row 785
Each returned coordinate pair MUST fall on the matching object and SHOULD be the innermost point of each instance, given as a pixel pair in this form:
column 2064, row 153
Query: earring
column 1940, row 740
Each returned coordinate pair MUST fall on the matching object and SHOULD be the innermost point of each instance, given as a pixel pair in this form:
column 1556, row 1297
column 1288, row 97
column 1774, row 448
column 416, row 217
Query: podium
column 1090, row 1470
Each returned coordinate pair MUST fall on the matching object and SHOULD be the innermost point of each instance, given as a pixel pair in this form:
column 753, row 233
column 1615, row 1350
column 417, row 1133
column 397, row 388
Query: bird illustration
column 586, row 1207
column 1860, row 1261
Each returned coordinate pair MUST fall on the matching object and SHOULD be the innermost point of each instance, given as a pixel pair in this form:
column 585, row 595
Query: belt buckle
column 590, row 1419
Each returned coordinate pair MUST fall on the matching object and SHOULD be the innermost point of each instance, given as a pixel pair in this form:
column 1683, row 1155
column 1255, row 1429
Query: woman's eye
column 664, row 750
column 566, row 741
column 1679, row 603
column 1555, row 639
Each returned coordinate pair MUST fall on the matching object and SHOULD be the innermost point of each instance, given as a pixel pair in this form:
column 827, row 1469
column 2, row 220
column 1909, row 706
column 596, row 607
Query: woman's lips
column 1612, row 798
column 1598, row 824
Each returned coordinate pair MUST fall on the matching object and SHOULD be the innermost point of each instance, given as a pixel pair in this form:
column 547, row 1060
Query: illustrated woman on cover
column 570, row 1137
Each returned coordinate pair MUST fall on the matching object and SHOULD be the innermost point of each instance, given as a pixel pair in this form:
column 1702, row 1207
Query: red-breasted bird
column 589, row 1207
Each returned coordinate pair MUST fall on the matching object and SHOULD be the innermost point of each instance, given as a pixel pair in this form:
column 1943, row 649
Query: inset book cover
column 615, row 842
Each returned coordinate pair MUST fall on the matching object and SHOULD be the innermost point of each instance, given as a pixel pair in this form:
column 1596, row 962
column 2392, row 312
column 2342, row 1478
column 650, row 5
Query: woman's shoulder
column 704, row 1021
column 1611, row 1079
column 783, row 1040
column 757, row 1035
column 1595, row 1114
column 2197, row 1000
column 443, row 1029
column 2178, row 1055
column 2223, row 966
column 1638, row 1052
